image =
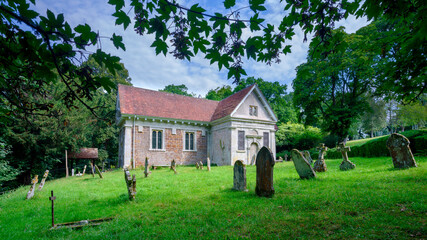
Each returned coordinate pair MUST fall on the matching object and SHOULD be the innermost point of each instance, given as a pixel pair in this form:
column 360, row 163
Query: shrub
column 294, row 135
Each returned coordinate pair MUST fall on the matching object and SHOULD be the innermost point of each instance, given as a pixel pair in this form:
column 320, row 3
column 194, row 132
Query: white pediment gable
column 254, row 99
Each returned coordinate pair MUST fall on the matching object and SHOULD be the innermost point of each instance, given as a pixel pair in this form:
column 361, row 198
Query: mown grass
column 373, row 201
column 360, row 142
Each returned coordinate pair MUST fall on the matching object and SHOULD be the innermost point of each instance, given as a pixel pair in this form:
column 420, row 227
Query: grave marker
column 208, row 163
column 173, row 166
column 201, row 165
column 197, row 165
column 286, row 157
column 307, row 156
column 320, row 165
column 304, row 169
column 84, row 170
column 99, row 172
column 346, row 164
column 264, row 173
column 52, row 198
column 400, row 151
column 93, row 168
column 146, row 170
column 239, row 179
column 35, row 180
column 130, row 184
column 43, row 180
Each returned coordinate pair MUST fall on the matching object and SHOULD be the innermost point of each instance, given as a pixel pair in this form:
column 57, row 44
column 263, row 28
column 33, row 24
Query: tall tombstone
column 239, row 179
column 84, row 170
column 264, row 173
column 346, row 164
column 303, row 167
column 43, row 180
column 286, row 157
column 93, row 168
column 130, row 184
column 72, row 172
column 99, row 172
column 146, row 170
column 34, row 181
column 307, row 156
column 208, row 164
column 201, row 165
column 173, row 164
column 400, row 151
column 320, row 165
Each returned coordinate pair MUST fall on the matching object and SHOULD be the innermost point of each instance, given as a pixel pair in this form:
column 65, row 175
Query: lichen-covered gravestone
column 146, row 170
column 400, row 151
column 99, row 172
column 304, row 169
column 320, row 165
column 208, row 164
column 201, row 165
column 173, row 166
column 84, row 170
column 286, row 157
column 346, row 164
column 43, row 180
column 130, row 184
column 264, row 173
column 35, row 180
column 197, row 165
column 239, row 179
column 307, row 157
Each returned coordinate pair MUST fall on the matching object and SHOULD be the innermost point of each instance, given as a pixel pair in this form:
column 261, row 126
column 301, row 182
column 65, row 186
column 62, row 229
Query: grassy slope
column 361, row 141
column 372, row 201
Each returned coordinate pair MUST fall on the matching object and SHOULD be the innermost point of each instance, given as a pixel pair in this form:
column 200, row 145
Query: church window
column 157, row 139
column 189, row 141
column 241, row 140
column 266, row 138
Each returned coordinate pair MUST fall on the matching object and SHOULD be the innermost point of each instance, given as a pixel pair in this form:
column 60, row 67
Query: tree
column 414, row 114
column 39, row 50
column 375, row 118
column 219, row 36
column 219, row 93
column 295, row 135
column 177, row 89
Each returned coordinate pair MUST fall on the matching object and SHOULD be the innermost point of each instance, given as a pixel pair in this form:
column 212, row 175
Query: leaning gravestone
column 197, row 165
column 400, row 151
column 304, row 169
column 43, row 180
column 173, row 164
column 208, row 164
column 201, row 165
column 264, row 173
column 84, row 170
column 320, row 165
column 239, row 179
column 146, row 170
column 99, row 172
column 131, row 184
column 346, row 164
column 307, row 157
column 35, row 180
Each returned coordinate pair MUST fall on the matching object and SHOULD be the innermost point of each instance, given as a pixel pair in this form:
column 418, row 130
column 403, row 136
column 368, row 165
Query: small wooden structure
column 84, row 153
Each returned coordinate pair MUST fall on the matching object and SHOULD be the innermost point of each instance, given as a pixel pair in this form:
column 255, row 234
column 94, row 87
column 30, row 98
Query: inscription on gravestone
column 400, row 151
column 264, row 173
column 302, row 166
column 239, row 179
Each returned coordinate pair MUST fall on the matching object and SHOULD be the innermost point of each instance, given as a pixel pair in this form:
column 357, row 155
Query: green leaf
column 256, row 5
column 118, row 42
column 122, row 18
column 255, row 22
column 229, row 3
column 118, row 3
column 160, row 46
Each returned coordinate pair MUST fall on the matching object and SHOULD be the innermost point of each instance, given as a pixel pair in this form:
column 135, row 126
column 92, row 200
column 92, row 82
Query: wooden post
column 66, row 164
column 52, row 198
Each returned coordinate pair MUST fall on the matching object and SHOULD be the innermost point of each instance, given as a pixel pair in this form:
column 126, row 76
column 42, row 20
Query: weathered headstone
column 280, row 159
column 99, row 172
column 304, row 169
column 146, row 170
column 201, row 165
column 35, row 180
column 286, row 157
column 131, row 184
column 307, row 156
column 84, row 170
column 400, row 151
column 264, row 173
column 93, row 168
column 208, row 163
column 197, row 165
column 346, row 164
column 72, row 172
column 43, row 179
column 173, row 166
column 239, row 179
column 320, row 165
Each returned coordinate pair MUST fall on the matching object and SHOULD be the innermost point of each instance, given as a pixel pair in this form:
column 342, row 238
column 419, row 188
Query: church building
column 164, row 126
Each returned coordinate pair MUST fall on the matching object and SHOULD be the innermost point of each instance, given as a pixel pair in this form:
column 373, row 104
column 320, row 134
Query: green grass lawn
column 373, row 201
column 361, row 141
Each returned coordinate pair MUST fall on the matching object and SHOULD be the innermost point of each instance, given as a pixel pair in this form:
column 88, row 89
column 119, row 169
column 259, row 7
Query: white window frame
column 163, row 139
column 194, row 141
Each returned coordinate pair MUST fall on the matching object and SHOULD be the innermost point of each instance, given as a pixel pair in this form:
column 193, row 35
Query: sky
column 151, row 71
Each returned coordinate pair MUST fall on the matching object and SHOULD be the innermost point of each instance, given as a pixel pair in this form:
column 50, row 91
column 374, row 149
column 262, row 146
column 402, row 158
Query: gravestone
column 239, row 179
column 43, row 180
column 286, row 157
column 307, row 156
column 146, row 170
column 84, row 170
column 280, row 159
column 99, row 172
column 131, row 184
column 208, row 164
column 197, row 165
column 346, row 164
column 320, row 165
column 400, row 152
column 304, row 169
column 35, row 180
column 72, row 172
column 201, row 165
column 264, row 173
column 93, row 168
column 173, row 166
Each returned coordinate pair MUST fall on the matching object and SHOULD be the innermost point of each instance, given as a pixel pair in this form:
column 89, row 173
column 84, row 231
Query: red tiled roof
column 227, row 106
column 85, row 153
column 151, row 103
